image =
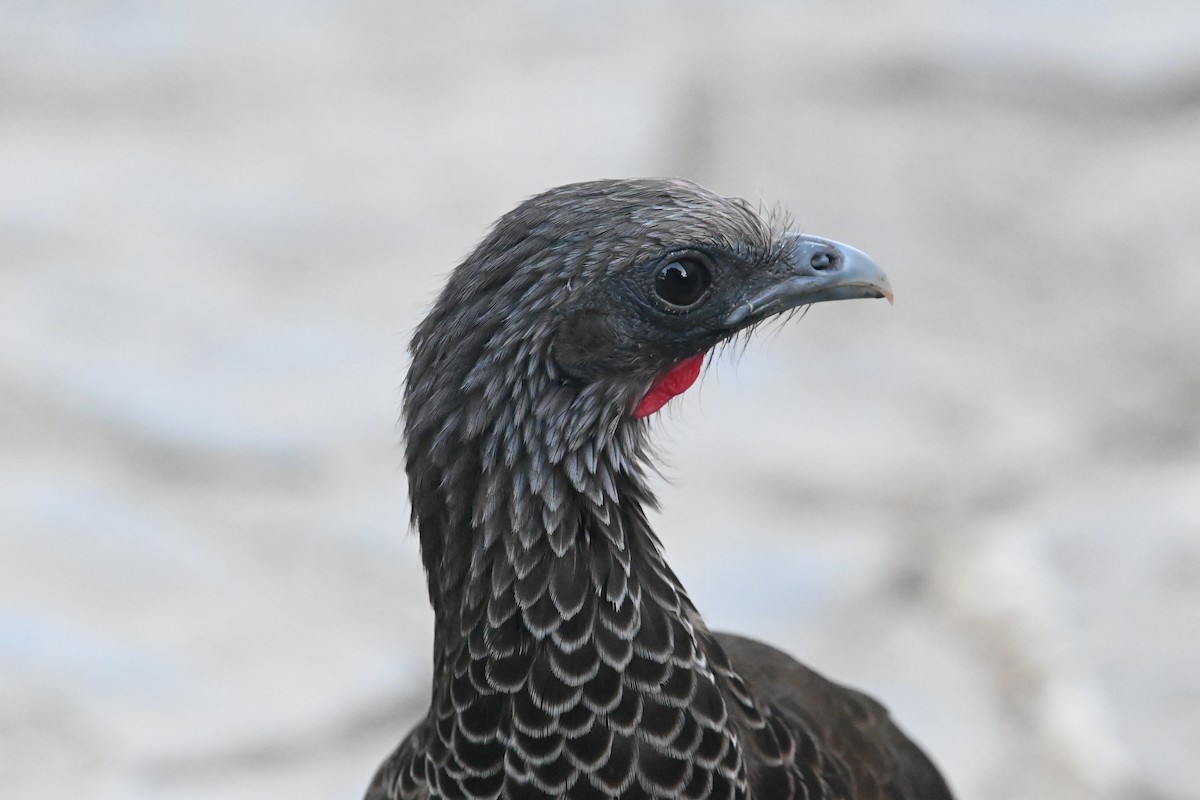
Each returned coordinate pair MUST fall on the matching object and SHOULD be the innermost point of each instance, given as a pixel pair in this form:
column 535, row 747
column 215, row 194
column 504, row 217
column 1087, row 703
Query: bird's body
column 568, row 659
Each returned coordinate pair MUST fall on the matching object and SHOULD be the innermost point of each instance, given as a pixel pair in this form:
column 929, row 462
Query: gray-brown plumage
column 568, row 659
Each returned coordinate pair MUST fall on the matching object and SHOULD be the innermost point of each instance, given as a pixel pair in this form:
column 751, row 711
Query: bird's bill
column 820, row 270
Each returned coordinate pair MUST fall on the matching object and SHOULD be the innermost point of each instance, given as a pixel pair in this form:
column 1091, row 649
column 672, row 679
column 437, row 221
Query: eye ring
column 682, row 283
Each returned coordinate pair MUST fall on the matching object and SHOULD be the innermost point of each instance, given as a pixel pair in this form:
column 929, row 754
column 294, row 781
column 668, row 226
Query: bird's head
column 693, row 270
column 594, row 303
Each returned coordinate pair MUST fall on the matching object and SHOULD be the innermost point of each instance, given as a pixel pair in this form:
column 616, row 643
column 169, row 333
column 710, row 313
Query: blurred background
column 219, row 222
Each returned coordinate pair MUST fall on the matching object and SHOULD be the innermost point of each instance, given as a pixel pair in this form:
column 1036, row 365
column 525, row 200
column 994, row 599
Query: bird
column 568, row 659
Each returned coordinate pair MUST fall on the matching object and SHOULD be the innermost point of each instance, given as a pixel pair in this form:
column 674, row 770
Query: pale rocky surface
column 219, row 221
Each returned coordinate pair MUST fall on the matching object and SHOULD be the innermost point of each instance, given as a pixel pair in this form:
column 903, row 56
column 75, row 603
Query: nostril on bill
column 824, row 262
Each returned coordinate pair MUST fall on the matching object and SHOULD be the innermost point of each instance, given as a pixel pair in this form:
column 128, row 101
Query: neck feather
column 533, row 516
column 557, row 622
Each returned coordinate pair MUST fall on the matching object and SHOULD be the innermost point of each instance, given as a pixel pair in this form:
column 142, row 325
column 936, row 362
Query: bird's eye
column 683, row 282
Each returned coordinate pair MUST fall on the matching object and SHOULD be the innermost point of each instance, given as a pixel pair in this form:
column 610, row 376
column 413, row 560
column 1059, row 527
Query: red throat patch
column 677, row 380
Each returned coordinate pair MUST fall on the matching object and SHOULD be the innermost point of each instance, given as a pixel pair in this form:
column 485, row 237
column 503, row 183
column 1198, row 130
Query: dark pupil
column 681, row 283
